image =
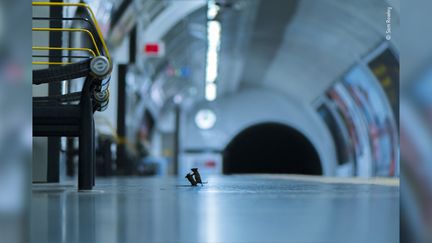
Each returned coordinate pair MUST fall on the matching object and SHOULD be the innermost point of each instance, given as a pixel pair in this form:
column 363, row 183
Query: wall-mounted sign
column 179, row 72
column 386, row 69
column 154, row 49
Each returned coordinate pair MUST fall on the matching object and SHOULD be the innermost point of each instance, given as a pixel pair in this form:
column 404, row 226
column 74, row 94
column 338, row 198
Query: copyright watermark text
column 388, row 23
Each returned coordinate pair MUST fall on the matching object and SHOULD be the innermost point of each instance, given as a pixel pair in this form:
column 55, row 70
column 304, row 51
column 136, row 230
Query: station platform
column 237, row 208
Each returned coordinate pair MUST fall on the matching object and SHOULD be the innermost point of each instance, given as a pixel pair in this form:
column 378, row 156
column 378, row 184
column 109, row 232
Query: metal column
column 55, row 39
column 121, row 118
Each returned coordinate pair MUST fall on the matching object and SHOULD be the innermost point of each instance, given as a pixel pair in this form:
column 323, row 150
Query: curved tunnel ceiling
column 290, row 45
column 312, row 48
column 325, row 39
column 267, row 37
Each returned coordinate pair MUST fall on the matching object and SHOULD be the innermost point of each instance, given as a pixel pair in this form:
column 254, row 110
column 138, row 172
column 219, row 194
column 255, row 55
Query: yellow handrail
column 50, row 63
column 72, row 30
column 47, row 48
column 81, row 5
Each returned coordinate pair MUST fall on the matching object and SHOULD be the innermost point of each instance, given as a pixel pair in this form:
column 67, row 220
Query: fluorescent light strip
column 213, row 38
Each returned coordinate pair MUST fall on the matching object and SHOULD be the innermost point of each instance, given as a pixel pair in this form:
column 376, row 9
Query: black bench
column 71, row 115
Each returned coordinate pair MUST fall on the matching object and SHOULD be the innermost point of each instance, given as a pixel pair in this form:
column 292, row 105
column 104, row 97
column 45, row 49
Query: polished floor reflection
column 227, row 209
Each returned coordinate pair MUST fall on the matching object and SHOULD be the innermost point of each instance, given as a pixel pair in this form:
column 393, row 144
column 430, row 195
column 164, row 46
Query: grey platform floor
column 249, row 208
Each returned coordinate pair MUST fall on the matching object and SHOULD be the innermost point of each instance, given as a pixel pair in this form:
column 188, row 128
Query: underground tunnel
column 271, row 148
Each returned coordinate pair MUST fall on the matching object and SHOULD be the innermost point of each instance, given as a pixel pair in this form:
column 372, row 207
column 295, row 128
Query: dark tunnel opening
column 271, row 148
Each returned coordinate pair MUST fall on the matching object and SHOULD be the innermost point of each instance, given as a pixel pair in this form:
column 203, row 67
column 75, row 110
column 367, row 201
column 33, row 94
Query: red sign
column 154, row 49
